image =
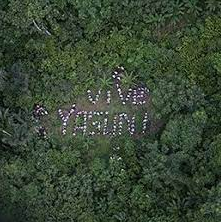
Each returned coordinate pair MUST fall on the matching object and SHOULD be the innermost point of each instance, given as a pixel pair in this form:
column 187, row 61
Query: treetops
column 53, row 52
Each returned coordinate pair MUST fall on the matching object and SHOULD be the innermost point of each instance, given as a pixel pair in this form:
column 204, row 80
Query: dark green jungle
column 52, row 52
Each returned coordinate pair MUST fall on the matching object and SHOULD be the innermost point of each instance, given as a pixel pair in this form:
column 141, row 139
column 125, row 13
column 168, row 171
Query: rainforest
column 110, row 110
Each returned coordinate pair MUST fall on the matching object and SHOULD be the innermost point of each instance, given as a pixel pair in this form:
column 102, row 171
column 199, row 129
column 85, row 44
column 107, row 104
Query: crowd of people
column 137, row 96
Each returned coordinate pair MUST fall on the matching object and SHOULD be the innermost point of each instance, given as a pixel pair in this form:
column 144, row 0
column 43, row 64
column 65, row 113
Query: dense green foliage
column 53, row 51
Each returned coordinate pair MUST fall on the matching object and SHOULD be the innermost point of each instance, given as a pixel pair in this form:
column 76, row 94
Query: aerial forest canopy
column 110, row 110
